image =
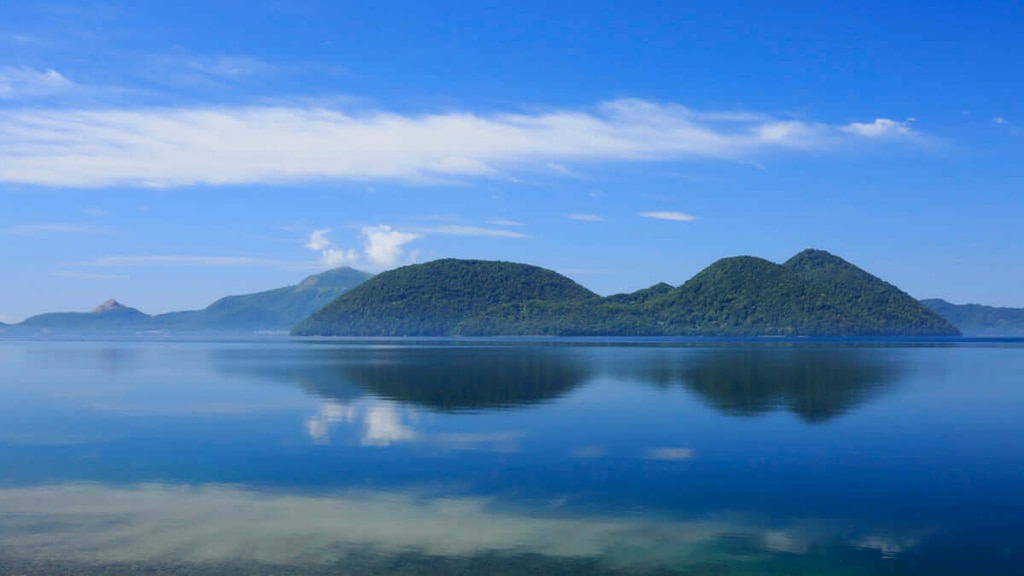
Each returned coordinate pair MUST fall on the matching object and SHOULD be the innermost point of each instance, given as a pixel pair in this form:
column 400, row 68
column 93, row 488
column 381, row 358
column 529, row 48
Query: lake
column 280, row 456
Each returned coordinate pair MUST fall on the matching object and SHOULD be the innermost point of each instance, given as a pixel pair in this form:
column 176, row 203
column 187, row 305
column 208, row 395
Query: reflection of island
column 466, row 378
column 816, row 384
column 454, row 378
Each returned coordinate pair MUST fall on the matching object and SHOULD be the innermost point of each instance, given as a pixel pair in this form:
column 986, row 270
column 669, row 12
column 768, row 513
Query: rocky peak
column 108, row 306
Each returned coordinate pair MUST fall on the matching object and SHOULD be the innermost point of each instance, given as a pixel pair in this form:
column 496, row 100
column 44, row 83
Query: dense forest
column 812, row 294
column 432, row 299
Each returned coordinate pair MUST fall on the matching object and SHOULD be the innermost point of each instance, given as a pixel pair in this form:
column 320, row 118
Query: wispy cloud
column 561, row 169
column 999, row 120
column 168, row 147
column 231, row 67
column 505, row 222
column 318, row 240
column 474, row 231
column 673, row 216
column 880, row 128
column 30, row 83
column 87, row 275
column 43, row 229
column 587, row 218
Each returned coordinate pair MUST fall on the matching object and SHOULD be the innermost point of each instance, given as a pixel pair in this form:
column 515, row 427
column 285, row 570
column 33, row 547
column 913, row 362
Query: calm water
column 290, row 457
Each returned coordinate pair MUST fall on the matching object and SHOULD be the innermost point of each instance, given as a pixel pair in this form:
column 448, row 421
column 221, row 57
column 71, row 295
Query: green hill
column 277, row 309
column 744, row 296
column 432, row 299
column 812, row 294
column 888, row 309
column 980, row 321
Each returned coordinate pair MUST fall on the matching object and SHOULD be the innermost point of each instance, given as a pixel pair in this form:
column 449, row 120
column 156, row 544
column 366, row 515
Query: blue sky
column 170, row 154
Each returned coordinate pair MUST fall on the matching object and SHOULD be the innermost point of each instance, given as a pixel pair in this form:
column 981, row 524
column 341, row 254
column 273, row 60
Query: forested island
column 812, row 294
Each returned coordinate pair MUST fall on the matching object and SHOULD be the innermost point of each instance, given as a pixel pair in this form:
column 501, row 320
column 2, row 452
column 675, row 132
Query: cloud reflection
column 384, row 423
column 152, row 523
column 669, row 454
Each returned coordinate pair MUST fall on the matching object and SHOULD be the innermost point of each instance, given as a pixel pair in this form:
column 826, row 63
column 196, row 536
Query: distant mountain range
column 980, row 321
column 812, row 294
column 272, row 310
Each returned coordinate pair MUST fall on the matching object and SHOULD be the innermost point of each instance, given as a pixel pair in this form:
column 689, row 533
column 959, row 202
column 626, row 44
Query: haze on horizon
column 171, row 155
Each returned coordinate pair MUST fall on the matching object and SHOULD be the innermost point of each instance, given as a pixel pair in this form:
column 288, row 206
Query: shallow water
column 278, row 456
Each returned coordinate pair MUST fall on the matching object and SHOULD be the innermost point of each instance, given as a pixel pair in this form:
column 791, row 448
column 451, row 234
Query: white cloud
column 166, row 147
column 87, row 275
column 505, row 222
column 384, row 245
column 336, row 258
column 673, row 216
column 475, row 231
column 999, row 120
column 93, row 212
column 880, row 128
column 318, row 240
column 330, row 256
column 29, row 83
column 587, row 217
column 558, row 168
column 232, row 67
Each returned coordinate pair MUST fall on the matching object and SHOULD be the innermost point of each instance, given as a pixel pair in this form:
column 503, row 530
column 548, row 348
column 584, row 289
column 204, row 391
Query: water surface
column 468, row 457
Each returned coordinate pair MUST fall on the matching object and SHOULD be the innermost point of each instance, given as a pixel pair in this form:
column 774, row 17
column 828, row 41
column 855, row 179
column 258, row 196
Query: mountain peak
column 108, row 306
column 813, row 258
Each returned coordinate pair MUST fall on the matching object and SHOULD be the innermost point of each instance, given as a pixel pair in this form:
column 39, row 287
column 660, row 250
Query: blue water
column 459, row 457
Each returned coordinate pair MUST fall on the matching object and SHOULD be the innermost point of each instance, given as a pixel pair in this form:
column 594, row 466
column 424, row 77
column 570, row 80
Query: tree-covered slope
column 978, row 320
column 641, row 296
column 431, row 299
column 742, row 296
column 874, row 306
column 813, row 294
column 277, row 309
column 592, row 317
